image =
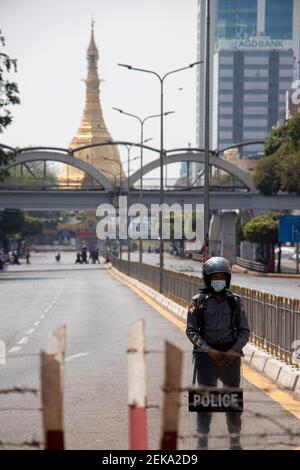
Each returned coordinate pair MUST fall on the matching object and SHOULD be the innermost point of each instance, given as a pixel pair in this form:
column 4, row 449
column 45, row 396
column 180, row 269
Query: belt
column 221, row 347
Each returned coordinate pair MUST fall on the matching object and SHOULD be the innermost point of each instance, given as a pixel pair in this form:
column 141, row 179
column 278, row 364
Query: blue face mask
column 218, row 285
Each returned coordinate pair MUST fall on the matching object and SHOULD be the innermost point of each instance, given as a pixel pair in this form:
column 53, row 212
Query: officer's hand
column 230, row 357
column 216, row 357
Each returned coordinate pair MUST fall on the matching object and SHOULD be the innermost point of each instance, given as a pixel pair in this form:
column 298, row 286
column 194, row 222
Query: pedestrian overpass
column 238, row 195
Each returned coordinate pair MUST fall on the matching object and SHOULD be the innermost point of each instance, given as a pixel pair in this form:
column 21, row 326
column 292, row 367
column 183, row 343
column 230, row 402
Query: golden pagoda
column 93, row 130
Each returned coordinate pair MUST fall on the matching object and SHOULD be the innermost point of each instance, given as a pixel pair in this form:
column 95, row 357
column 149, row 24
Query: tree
column 289, row 168
column 263, row 230
column 266, row 177
column 16, row 222
column 9, row 95
column 278, row 170
column 31, row 225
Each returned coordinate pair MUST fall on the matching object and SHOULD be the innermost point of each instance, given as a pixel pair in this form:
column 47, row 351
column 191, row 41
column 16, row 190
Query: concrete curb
column 239, row 269
column 284, row 375
column 259, row 360
column 273, row 367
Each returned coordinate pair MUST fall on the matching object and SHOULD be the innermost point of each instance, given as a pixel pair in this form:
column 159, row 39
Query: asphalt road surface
column 278, row 286
column 97, row 310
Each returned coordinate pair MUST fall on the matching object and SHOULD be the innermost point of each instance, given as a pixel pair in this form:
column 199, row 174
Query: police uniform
column 220, row 325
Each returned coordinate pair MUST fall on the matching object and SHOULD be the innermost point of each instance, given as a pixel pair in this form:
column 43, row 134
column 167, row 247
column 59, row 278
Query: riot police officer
column 218, row 328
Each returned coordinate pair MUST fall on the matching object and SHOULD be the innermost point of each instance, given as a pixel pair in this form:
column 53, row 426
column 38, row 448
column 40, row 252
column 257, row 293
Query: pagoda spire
column 92, row 123
column 92, row 129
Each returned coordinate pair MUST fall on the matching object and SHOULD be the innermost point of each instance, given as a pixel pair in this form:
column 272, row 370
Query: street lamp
column 120, row 179
column 142, row 122
column 206, row 135
column 128, row 147
column 120, row 166
column 161, row 198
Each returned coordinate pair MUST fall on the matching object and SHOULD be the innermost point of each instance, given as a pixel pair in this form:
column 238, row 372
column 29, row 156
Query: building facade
column 254, row 60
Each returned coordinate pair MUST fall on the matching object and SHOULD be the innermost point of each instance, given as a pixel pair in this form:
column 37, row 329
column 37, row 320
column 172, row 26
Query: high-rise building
column 254, row 60
column 93, row 129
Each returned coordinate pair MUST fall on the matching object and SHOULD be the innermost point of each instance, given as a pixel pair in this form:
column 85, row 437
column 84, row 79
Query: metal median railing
column 274, row 320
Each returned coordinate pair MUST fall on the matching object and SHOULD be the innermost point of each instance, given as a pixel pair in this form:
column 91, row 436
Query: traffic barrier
column 288, row 378
column 272, row 368
column 251, row 265
column 259, row 360
column 171, row 397
column 52, row 402
column 137, row 387
column 52, row 386
column 274, row 320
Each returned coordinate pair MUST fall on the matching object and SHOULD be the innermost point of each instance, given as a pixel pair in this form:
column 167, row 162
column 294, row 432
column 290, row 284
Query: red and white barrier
column 137, row 387
column 171, row 397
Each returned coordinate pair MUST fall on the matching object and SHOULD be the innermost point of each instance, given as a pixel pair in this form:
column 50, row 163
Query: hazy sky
column 49, row 40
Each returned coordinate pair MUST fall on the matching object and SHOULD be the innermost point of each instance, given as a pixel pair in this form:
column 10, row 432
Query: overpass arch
column 63, row 156
column 192, row 156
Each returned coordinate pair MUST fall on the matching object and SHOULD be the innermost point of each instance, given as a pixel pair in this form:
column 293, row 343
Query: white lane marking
column 46, row 310
column 36, row 323
column 42, row 316
column 75, row 356
column 15, row 349
column 23, row 340
column 30, row 331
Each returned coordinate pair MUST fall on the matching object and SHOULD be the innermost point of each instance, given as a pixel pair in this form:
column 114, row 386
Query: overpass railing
column 274, row 320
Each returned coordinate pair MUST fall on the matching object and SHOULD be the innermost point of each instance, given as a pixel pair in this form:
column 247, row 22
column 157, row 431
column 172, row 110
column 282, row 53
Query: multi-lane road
column 97, row 309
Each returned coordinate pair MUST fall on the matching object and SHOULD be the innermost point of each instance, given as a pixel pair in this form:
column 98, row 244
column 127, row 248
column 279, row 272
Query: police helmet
column 216, row 264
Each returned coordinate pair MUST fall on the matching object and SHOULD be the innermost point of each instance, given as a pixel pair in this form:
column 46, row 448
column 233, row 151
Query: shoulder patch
column 192, row 308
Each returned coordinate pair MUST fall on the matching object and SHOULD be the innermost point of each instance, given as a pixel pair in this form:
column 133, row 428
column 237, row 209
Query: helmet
column 216, row 264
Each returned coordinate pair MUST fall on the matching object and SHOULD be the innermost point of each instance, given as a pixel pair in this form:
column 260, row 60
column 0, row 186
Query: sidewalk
column 240, row 269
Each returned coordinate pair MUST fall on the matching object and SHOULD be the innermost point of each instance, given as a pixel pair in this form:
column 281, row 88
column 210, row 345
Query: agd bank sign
column 254, row 43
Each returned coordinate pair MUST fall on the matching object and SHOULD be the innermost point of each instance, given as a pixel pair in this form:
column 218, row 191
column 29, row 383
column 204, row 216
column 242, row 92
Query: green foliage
column 9, row 95
column 279, row 169
column 275, row 138
column 289, row 167
column 262, row 229
column 31, row 225
column 266, row 177
column 13, row 222
column 223, row 179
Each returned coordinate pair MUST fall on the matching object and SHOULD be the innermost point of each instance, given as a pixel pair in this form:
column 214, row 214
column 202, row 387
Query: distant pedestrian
column 78, row 258
column 84, row 254
column 92, row 255
column 16, row 258
column 57, row 256
column 27, row 255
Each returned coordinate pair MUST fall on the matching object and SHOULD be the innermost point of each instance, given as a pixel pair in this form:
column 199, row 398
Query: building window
column 236, row 19
column 279, row 19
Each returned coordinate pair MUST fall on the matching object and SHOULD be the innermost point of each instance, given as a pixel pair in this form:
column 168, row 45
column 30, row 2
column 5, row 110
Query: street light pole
column 128, row 147
column 142, row 123
column 120, row 176
column 161, row 197
column 206, row 136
